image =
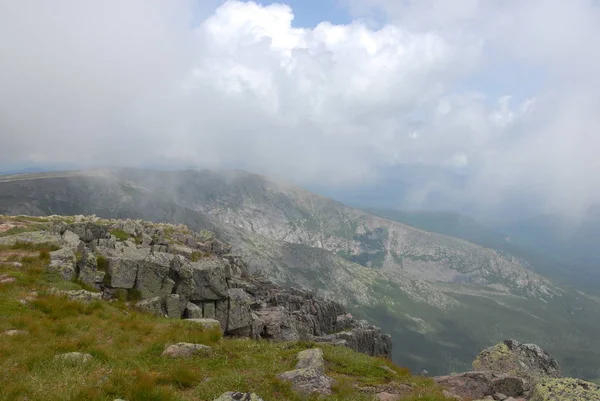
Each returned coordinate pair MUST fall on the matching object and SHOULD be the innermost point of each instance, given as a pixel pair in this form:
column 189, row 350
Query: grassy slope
column 126, row 346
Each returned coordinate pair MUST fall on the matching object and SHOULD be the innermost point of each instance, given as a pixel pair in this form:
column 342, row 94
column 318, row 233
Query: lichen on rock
column 565, row 389
column 515, row 358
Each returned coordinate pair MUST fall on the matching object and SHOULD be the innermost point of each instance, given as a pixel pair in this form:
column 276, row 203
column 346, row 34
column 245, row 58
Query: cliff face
column 172, row 271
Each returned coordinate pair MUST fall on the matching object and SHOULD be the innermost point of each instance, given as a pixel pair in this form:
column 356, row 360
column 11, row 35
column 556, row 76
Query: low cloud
column 235, row 84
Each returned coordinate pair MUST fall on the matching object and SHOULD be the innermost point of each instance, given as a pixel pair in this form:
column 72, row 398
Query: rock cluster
column 173, row 272
column 477, row 385
column 524, row 360
column 512, row 371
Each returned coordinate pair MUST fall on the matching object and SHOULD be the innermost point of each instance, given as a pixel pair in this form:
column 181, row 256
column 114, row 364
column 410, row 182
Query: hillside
column 64, row 342
column 81, row 322
column 443, row 298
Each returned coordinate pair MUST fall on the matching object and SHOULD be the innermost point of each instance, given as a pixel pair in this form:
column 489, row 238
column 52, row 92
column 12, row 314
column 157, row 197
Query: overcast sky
column 506, row 90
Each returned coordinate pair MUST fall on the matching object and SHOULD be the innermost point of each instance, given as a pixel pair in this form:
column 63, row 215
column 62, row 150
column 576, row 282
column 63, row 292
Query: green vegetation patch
column 31, row 246
column 120, row 234
column 19, row 230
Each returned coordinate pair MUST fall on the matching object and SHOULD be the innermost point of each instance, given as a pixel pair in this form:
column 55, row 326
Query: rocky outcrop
column 475, row 385
column 173, row 272
column 63, row 261
column 514, row 358
column 309, row 376
column 510, row 370
column 363, row 337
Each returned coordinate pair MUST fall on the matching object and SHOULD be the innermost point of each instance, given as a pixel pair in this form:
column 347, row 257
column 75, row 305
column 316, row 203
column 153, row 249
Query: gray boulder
column 122, row 272
column 63, row 261
column 209, row 309
column 71, row 239
column 89, row 231
column 239, row 320
column 184, row 251
column 275, row 323
column 201, row 281
column 186, row 350
column 193, row 311
column 477, row 385
column 309, row 376
column 87, row 268
column 513, row 358
column 153, row 276
column 153, row 306
column 174, row 306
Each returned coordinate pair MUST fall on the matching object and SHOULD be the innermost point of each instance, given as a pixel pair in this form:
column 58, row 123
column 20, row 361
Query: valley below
column 441, row 298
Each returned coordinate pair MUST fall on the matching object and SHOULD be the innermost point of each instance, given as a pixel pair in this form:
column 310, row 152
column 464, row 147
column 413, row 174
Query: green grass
column 120, row 234
column 18, row 230
column 30, row 246
column 126, row 346
column 102, row 263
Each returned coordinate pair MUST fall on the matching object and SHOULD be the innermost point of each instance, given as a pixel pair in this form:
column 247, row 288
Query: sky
column 330, row 92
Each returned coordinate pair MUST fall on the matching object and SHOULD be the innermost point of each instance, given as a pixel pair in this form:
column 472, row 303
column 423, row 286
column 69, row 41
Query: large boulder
column 153, row 306
column 517, row 359
column 309, row 376
column 565, row 389
column 87, row 268
column 275, row 323
column 476, row 385
column 63, row 262
column 201, row 281
column 71, row 239
column 193, row 311
column 174, row 306
column 239, row 318
column 122, row 272
column 153, row 276
column 88, row 231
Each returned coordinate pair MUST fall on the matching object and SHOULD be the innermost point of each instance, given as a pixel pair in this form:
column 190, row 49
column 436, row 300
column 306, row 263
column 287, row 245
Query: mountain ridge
column 449, row 319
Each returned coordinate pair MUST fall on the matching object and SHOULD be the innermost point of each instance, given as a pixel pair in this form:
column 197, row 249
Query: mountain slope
column 441, row 297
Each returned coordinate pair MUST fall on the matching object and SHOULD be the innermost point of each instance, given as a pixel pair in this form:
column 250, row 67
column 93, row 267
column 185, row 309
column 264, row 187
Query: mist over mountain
column 336, row 97
column 431, row 165
column 439, row 296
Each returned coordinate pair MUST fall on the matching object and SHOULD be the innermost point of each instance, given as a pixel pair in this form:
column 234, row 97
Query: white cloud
column 235, row 84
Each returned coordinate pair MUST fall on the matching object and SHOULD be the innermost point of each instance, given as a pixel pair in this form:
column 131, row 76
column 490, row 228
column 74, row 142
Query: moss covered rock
column 517, row 359
column 565, row 389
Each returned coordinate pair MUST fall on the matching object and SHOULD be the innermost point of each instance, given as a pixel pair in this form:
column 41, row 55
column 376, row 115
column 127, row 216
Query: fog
column 504, row 92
